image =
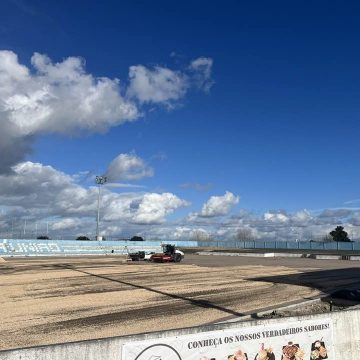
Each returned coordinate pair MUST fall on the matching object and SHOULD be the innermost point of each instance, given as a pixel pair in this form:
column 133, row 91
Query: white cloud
column 55, row 98
column 141, row 209
column 355, row 219
column 42, row 191
column 66, row 224
column 166, row 232
column 275, row 217
column 128, row 167
column 63, row 98
column 219, row 205
column 163, row 85
column 157, row 85
column 201, row 68
column 11, row 71
column 335, row 213
column 39, row 192
column 153, row 208
column 301, row 217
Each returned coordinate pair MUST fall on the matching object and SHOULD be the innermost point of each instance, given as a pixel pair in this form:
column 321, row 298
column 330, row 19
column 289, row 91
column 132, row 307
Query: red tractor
column 169, row 254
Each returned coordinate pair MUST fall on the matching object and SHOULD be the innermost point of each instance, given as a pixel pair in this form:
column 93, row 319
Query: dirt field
column 52, row 300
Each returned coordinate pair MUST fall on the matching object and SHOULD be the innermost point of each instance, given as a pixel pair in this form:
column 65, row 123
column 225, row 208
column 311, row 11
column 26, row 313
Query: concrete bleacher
column 11, row 247
column 31, row 247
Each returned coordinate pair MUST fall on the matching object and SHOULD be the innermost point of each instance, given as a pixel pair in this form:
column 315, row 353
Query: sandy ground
column 54, row 300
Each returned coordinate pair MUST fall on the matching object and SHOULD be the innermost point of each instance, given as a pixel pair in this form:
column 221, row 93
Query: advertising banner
column 305, row 340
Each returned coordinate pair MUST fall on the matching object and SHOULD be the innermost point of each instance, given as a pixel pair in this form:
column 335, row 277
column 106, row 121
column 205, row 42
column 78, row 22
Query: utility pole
column 100, row 180
column 24, row 228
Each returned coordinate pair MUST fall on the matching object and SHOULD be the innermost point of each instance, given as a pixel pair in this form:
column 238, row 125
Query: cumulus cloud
column 63, row 98
column 153, row 208
column 302, row 217
column 54, row 98
column 36, row 191
column 219, row 205
column 66, row 224
column 128, row 167
column 275, row 217
column 60, row 97
column 337, row 213
column 175, row 232
column 355, row 219
column 273, row 225
column 163, row 85
column 157, row 85
column 42, row 189
column 41, row 194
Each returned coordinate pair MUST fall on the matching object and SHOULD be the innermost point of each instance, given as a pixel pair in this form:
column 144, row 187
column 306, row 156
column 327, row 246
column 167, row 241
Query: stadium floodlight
column 100, row 180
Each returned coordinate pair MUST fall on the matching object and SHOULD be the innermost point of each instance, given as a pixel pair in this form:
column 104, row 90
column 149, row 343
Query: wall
column 346, row 340
column 29, row 247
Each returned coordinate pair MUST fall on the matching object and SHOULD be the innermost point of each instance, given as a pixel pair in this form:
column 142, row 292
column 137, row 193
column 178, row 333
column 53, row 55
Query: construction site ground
column 61, row 299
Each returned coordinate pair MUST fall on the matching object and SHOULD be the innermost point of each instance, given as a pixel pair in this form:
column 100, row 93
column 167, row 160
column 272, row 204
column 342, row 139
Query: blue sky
column 272, row 119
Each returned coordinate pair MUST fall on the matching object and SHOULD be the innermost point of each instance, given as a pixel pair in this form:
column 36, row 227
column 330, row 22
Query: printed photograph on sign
column 318, row 350
column 292, row 352
column 238, row 355
column 265, row 353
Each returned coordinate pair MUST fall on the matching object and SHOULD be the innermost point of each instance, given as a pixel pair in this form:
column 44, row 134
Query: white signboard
column 305, row 340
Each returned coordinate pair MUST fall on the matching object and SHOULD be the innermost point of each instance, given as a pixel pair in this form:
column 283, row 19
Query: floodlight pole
column 100, row 180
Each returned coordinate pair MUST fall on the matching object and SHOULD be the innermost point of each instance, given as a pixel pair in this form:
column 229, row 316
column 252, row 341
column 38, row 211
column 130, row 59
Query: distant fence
column 299, row 245
column 22, row 247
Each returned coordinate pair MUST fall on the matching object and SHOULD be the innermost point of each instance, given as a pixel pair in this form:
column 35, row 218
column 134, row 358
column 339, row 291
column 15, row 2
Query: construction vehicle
column 137, row 256
column 169, row 254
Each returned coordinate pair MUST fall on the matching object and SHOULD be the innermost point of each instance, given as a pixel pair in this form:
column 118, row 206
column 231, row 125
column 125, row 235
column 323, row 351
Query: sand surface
column 45, row 301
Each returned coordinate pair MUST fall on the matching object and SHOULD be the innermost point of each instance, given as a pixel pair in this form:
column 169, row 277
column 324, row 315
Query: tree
column 244, row 234
column 82, row 238
column 200, row 235
column 339, row 234
column 326, row 238
column 136, row 238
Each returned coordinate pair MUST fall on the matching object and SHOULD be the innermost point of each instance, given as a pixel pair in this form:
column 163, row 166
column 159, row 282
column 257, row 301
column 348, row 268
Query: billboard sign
column 305, row 340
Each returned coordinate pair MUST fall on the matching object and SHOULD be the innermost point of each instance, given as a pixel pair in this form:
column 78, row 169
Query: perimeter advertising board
column 306, row 340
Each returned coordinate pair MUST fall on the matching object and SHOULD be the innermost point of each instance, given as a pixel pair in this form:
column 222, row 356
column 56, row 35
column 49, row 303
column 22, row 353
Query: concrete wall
column 346, row 337
column 23, row 247
column 30, row 247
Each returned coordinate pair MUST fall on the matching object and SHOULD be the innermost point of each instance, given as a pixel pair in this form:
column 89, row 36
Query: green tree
column 339, row 234
column 82, row 238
